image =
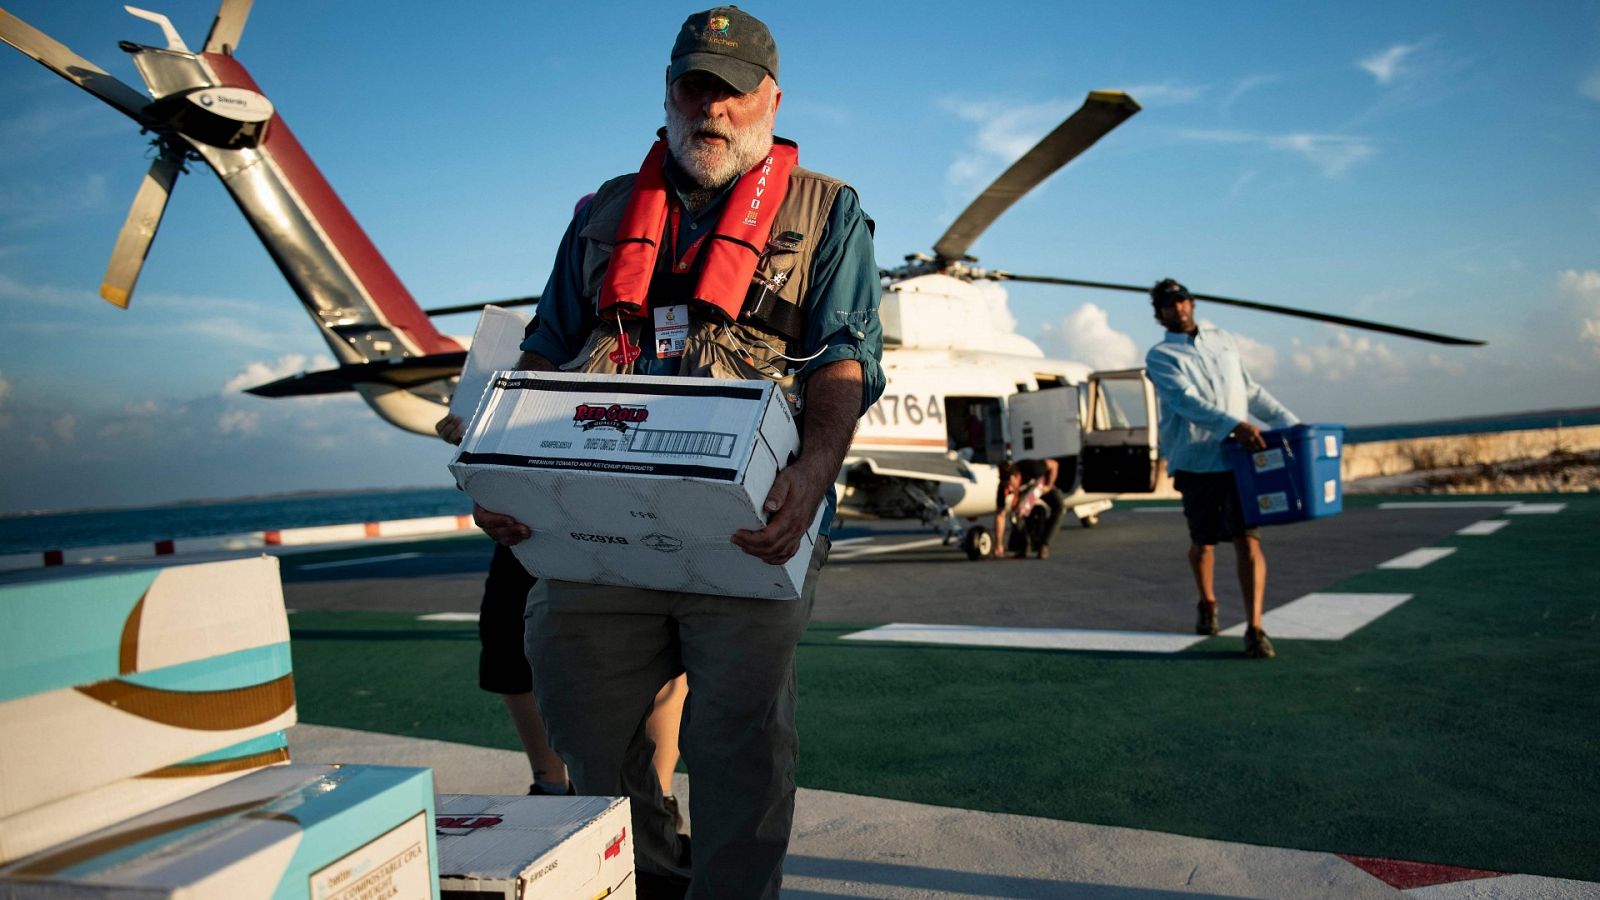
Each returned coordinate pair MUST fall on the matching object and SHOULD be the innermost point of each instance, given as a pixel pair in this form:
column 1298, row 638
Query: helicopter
column 962, row 396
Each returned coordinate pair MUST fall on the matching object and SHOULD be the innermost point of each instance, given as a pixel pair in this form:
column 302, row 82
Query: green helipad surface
column 1462, row 727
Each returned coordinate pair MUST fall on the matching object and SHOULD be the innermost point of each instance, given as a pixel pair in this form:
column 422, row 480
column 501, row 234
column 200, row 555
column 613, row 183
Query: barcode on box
column 683, row 443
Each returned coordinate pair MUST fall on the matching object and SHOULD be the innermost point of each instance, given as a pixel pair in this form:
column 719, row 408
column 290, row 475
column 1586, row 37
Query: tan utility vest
column 749, row 348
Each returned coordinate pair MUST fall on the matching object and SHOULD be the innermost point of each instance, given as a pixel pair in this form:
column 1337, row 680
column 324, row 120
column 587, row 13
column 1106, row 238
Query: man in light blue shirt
column 1207, row 396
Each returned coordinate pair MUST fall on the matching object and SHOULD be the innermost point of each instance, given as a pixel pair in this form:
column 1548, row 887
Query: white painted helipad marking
column 1447, row 504
column 1535, row 509
column 1487, row 526
column 1416, row 559
column 462, row 617
column 357, row 562
column 853, row 552
column 1031, row 638
column 1325, row 617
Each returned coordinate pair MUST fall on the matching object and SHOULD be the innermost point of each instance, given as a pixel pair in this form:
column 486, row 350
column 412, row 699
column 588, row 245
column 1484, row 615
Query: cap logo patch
column 717, row 31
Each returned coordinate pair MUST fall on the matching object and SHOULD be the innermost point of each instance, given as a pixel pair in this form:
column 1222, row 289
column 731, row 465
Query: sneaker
column 1207, row 622
column 1256, row 644
column 1044, row 552
column 537, row 790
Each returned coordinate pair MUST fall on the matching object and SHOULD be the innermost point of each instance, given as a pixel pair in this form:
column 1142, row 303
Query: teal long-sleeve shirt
column 840, row 305
column 1205, row 392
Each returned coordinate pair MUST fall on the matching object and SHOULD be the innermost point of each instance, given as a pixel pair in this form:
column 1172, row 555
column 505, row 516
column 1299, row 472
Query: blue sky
column 1431, row 164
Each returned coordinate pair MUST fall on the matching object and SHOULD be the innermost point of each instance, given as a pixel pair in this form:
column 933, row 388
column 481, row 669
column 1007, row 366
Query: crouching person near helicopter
column 1024, row 484
column 785, row 288
column 1207, row 396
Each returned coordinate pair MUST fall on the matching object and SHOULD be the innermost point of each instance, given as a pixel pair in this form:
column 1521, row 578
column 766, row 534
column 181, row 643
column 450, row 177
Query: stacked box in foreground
column 162, row 675
column 292, row 831
column 516, row 847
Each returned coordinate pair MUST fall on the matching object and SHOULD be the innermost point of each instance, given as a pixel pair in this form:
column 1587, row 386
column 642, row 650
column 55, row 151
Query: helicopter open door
column 1119, row 433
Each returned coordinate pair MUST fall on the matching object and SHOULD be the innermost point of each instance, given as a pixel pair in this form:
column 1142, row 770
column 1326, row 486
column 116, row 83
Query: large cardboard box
column 635, row 480
column 108, row 677
column 52, row 823
column 516, row 847
column 314, row 832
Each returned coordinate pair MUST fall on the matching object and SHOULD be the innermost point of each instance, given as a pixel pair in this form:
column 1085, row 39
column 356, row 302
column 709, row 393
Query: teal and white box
column 294, row 832
column 61, row 820
column 108, row 677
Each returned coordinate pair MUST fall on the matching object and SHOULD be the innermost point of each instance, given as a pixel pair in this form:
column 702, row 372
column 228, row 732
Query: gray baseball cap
column 727, row 42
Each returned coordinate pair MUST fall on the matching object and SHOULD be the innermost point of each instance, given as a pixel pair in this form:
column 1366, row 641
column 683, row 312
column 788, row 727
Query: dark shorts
column 502, row 667
column 1211, row 504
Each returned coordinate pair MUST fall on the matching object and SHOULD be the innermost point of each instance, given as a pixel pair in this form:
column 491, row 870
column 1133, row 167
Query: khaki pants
column 599, row 655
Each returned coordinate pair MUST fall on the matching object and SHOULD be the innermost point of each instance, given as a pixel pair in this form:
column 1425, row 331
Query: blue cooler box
column 1295, row 478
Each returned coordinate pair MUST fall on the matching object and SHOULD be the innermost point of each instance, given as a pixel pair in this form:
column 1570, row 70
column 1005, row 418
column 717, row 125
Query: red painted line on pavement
column 1404, row 874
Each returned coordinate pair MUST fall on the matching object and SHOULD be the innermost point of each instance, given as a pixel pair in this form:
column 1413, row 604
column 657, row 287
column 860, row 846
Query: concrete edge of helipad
column 852, row 846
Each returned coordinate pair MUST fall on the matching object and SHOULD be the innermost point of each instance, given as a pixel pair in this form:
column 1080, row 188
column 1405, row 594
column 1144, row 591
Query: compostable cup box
column 295, row 831
column 61, row 820
column 107, row 677
column 1295, row 478
column 515, row 847
column 637, row 480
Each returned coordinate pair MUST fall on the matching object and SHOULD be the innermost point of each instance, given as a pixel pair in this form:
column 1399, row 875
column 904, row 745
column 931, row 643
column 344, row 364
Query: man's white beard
column 713, row 166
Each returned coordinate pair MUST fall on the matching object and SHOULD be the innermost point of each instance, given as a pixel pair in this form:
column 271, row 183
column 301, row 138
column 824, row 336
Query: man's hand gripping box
column 637, row 480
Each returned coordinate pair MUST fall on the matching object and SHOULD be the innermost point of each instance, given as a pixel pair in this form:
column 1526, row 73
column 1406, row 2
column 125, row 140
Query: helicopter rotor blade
column 226, row 27
column 1101, row 112
column 55, row 56
column 144, row 217
column 478, row 307
column 1347, row 321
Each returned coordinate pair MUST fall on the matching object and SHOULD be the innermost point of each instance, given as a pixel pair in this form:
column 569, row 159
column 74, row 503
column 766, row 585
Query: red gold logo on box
column 616, row 415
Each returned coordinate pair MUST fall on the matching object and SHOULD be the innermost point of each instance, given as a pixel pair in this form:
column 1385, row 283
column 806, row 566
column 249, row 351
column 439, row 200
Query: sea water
column 28, row 533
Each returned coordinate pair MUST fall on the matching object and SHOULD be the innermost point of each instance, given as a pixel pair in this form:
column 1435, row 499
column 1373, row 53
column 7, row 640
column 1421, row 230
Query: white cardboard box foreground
column 107, row 677
column 636, row 480
column 515, row 847
column 292, row 831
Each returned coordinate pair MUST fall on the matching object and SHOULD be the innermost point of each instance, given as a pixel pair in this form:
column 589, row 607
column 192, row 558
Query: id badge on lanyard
column 672, row 329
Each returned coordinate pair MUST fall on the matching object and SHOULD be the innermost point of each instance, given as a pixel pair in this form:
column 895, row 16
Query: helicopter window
column 1119, row 404
column 973, row 423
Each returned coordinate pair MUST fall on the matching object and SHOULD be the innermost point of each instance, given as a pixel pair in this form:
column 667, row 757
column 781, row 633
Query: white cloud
column 1333, row 154
column 64, row 427
column 1166, row 93
column 261, row 372
column 1387, row 65
column 14, row 291
column 1004, row 134
column 1086, row 335
column 1260, row 359
column 1343, row 357
column 238, row 421
column 1590, row 87
column 1244, row 86
column 36, row 205
column 1580, row 294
